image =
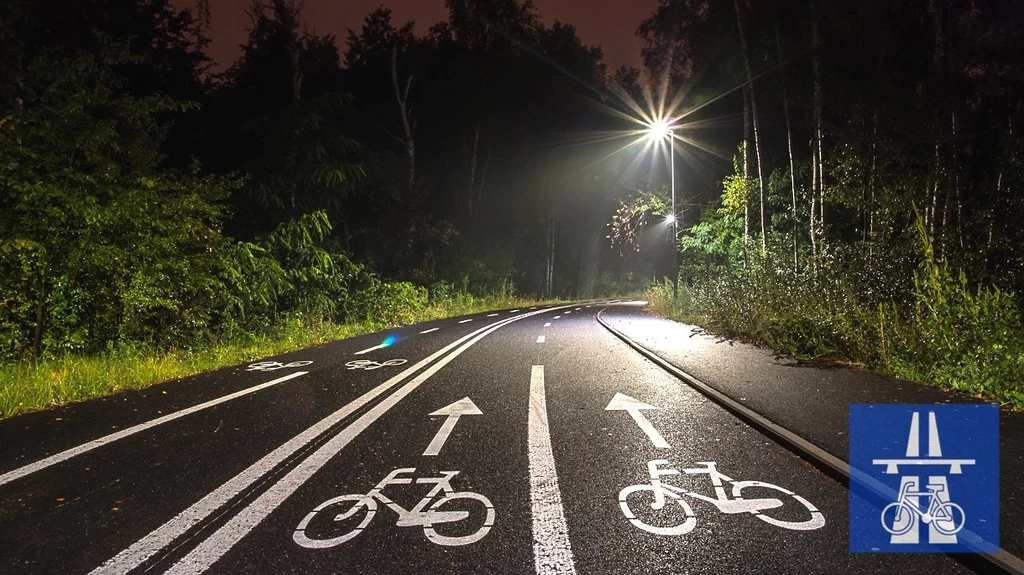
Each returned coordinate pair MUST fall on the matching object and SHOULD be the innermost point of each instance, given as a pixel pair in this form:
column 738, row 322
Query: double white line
column 216, row 545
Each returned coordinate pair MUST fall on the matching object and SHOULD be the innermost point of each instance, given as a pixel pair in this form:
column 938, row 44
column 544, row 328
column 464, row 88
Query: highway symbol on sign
column 623, row 402
column 464, row 406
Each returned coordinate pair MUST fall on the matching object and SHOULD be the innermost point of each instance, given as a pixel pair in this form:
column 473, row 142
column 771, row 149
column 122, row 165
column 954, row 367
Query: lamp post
column 658, row 131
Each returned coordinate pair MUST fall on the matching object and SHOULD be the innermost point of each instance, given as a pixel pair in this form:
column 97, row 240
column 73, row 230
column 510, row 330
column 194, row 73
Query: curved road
column 525, row 441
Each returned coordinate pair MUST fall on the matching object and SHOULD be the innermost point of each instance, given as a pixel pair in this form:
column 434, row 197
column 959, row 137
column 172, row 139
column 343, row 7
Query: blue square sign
column 924, row 478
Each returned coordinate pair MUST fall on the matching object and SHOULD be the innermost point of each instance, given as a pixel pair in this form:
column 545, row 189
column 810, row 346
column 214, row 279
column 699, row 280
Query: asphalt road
column 538, row 458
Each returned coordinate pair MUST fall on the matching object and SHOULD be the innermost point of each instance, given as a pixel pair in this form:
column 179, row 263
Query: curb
column 834, row 467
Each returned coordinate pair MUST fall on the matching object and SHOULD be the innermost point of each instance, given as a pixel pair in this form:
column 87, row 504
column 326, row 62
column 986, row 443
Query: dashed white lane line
column 540, row 339
column 556, row 317
column 578, row 309
column 430, row 330
column 534, row 307
column 568, row 312
column 548, row 324
column 369, row 349
column 552, row 553
column 466, row 321
column 513, row 311
column 68, row 454
column 492, row 315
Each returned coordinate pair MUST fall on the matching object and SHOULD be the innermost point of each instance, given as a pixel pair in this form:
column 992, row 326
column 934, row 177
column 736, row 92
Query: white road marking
column 164, row 535
column 491, row 314
column 568, row 312
column 464, row 406
column 578, row 309
column 513, row 311
column 216, row 545
column 69, row 453
column 535, row 307
column 369, row 349
column 552, row 554
column 466, row 321
column 430, row 330
column 622, row 402
column 540, row 339
column 548, row 324
column 556, row 317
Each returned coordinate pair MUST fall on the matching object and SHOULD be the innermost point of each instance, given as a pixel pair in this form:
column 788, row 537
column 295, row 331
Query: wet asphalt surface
column 78, row 515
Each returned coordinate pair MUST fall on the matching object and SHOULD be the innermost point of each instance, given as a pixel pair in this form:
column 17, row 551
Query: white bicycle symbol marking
column 662, row 492
column 947, row 517
column 315, row 530
column 369, row 364
column 275, row 365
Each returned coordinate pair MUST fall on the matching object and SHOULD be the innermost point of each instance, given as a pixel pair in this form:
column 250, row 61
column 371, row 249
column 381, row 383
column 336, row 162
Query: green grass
column 28, row 386
column 948, row 334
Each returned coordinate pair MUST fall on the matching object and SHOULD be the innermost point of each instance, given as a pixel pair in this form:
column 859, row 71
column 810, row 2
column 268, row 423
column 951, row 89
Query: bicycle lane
column 488, row 450
column 605, row 434
column 101, row 501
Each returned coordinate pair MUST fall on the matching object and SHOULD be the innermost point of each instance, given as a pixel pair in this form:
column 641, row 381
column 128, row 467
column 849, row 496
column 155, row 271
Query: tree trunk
column 819, row 129
column 37, row 336
column 471, row 188
column 812, row 223
column 746, row 167
column 403, row 110
column 789, row 145
column 753, row 112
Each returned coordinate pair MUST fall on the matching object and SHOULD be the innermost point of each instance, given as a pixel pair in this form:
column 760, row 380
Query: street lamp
column 657, row 132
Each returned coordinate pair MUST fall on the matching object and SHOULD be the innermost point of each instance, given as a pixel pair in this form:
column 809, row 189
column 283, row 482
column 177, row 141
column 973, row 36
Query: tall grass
column 29, row 386
column 945, row 332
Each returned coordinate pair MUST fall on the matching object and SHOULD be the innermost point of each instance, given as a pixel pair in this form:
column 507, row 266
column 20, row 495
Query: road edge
column 829, row 464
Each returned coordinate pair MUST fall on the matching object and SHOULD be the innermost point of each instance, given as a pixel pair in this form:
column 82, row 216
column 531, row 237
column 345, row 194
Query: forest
column 847, row 177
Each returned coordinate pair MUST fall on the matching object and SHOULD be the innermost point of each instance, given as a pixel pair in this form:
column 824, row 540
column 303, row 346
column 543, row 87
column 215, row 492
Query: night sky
column 612, row 25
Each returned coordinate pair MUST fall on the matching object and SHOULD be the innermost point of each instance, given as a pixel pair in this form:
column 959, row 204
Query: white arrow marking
column 464, row 406
column 622, row 402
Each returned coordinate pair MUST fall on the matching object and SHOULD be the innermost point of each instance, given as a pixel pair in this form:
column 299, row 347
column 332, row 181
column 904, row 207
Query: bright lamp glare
column 658, row 130
column 670, row 219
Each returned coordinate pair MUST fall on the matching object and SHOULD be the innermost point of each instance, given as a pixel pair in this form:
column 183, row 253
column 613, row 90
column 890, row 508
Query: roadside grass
column 30, row 386
column 947, row 334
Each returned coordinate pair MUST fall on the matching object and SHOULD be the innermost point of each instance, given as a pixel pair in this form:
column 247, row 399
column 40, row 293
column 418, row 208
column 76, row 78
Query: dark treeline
column 872, row 211
column 848, row 173
column 145, row 198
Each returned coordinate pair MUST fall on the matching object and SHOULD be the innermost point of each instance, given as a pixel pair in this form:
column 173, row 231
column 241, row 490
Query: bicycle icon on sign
column 320, row 530
column 368, row 364
column 663, row 492
column 275, row 365
column 947, row 517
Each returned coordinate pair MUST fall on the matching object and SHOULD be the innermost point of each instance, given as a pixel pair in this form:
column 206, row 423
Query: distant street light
column 657, row 132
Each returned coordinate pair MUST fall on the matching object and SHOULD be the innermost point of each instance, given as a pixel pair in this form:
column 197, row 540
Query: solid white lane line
column 548, row 324
column 552, row 553
column 369, row 349
column 68, row 454
column 220, row 542
column 466, row 321
column 492, row 315
column 540, row 339
column 430, row 330
column 164, row 535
